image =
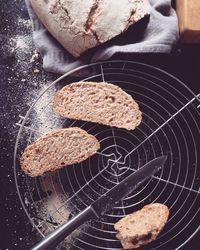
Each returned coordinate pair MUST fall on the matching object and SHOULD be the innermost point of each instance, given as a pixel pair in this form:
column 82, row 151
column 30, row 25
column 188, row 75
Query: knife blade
column 129, row 184
column 104, row 203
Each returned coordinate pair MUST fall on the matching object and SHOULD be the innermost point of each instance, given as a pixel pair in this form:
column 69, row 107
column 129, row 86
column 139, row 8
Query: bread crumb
column 36, row 71
column 35, row 56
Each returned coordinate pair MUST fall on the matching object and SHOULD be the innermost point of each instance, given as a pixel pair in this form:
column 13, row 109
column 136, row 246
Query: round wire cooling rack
column 170, row 126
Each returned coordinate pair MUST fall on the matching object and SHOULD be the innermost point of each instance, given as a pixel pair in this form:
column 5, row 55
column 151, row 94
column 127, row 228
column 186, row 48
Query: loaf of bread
column 100, row 102
column 142, row 227
column 57, row 149
column 83, row 24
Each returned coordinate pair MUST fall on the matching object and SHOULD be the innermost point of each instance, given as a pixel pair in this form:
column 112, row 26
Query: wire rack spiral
column 170, row 126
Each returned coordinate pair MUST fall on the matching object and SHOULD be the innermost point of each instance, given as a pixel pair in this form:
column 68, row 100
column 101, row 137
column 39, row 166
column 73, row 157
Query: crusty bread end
column 81, row 25
column 142, row 227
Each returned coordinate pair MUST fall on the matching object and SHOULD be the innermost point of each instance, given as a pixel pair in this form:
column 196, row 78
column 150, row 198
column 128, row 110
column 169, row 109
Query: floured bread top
column 80, row 25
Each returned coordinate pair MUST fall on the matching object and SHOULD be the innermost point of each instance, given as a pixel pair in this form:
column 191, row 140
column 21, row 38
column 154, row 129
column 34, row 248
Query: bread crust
column 142, row 227
column 100, row 102
column 80, row 25
column 57, row 149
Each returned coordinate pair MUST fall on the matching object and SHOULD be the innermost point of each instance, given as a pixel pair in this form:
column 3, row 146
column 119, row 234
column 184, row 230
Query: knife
column 103, row 204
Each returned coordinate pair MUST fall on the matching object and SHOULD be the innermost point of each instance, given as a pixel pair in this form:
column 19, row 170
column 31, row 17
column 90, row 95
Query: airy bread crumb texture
column 100, row 102
column 142, row 227
column 57, row 149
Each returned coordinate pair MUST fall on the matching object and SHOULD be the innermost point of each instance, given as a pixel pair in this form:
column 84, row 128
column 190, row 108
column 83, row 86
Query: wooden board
column 188, row 12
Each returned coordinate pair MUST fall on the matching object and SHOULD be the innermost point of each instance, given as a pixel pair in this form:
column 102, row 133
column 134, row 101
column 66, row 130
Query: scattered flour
column 20, row 43
column 24, row 22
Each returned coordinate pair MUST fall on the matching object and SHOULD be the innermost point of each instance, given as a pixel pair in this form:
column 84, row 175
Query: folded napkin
column 160, row 34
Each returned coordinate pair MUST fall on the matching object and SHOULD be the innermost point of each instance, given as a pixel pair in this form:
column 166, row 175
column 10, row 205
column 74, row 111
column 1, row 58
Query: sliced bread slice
column 141, row 227
column 57, row 149
column 101, row 102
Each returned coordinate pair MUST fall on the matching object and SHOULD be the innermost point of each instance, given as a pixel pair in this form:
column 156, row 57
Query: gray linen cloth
column 160, row 35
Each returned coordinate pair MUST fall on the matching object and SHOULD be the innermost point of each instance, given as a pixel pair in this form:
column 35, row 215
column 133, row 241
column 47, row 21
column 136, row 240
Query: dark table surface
column 20, row 80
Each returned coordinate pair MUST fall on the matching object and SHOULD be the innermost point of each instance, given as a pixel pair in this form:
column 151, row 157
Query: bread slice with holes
column 142, row 227
column 57, row 149
column 101, row 102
